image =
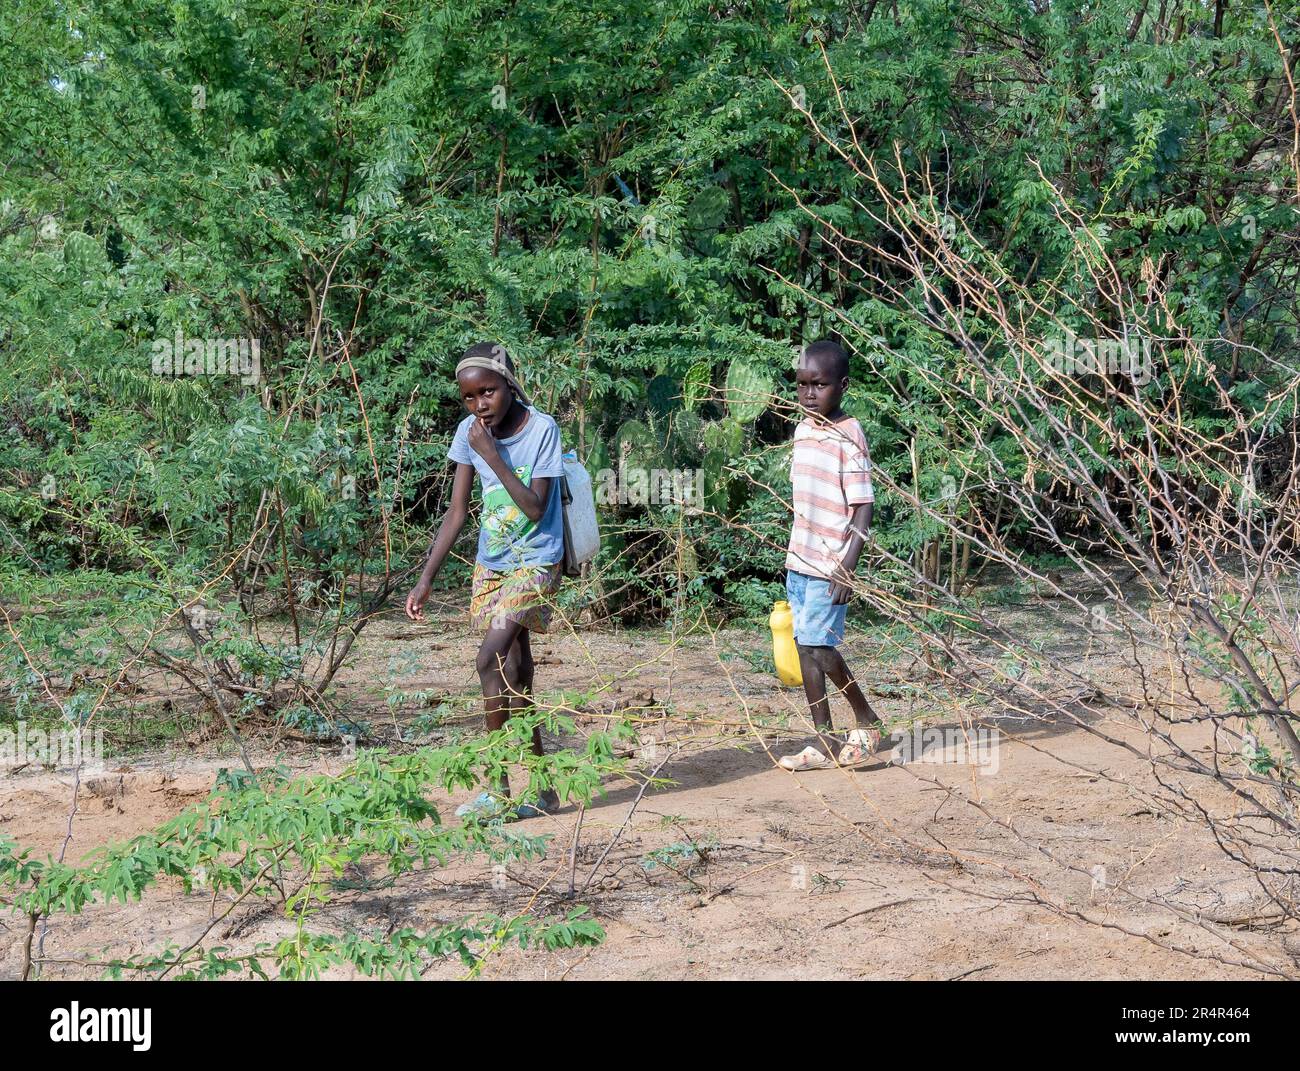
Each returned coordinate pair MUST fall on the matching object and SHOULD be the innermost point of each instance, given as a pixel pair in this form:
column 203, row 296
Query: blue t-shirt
column 508, row 539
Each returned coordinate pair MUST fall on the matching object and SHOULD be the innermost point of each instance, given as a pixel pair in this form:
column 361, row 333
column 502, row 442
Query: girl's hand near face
column 481, row 440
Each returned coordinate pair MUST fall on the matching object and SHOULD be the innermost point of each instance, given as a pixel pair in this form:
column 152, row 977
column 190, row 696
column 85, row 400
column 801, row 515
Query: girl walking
column 515, row 450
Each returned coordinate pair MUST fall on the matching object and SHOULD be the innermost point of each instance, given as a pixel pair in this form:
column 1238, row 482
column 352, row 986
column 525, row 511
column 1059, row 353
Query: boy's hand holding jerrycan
column 784, row 652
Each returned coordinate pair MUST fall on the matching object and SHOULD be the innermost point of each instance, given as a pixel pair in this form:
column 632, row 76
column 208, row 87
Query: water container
column 581, row 536
column 784, row 652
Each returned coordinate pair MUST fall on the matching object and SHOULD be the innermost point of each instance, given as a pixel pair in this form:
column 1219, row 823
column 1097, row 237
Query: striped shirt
column 830, row 471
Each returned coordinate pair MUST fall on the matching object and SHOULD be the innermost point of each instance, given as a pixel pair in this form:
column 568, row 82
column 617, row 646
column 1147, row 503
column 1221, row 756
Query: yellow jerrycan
column 784, row 652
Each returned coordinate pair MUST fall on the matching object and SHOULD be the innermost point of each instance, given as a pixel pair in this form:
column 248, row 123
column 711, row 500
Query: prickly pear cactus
column 725, row 436
column 598, row 458
column 695, row 387
column 82, row 252
column 636, row 445
column 663, row 395
column 716, row 491
column 687, row 438
column 749, row 389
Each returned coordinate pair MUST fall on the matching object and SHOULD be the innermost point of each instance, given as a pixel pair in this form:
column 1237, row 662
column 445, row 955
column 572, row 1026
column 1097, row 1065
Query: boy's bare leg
column 814, row 689
column 816, row 664
column 838, row 671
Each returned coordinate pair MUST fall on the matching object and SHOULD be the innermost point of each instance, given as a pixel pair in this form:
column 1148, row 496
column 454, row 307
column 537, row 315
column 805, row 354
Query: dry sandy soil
column 878, row 873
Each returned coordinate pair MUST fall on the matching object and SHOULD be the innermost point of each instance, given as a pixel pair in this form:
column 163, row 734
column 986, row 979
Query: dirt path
column 759, row 873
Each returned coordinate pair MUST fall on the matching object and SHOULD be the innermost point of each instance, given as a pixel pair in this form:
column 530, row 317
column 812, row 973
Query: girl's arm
column 449, row 531
column 531, row 499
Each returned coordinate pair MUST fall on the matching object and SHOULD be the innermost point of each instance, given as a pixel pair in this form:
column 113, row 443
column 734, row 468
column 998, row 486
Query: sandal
column 484, row 806
column 544, row 804
column 808, row 759
column 860, row 750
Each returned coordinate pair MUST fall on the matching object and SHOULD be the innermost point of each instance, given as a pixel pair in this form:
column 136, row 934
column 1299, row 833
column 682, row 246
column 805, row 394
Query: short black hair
column 832, row 353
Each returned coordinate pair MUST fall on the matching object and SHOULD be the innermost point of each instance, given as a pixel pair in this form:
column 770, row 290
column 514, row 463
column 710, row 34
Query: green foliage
column 255, row 829
column 333, row 193
column 748, row 391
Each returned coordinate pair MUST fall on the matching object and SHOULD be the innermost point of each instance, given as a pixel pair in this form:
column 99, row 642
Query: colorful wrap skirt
column 525, row 595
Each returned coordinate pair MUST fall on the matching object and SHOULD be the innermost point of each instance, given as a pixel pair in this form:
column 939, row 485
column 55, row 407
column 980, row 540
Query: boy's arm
column 842, row 588
column 448, row 532
column 855, row 480
column 532, row 498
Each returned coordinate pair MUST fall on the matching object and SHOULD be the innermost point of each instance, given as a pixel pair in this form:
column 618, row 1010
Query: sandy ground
column 878, row 873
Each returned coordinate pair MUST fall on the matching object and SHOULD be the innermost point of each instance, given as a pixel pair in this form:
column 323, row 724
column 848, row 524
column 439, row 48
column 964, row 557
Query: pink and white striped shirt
column 831, row 475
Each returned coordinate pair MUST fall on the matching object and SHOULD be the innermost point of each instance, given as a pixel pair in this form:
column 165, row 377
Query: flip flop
column 808, row 759
column 544, row 804
column 860, row 750
column 484, row 806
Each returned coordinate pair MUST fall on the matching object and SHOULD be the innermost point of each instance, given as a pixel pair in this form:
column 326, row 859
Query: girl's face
column 486, row 395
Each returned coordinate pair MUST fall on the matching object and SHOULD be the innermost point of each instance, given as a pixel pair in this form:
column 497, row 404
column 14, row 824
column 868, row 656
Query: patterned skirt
column 524, row 595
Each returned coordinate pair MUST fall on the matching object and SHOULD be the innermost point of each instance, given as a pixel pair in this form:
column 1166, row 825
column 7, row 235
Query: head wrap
column 499, row 366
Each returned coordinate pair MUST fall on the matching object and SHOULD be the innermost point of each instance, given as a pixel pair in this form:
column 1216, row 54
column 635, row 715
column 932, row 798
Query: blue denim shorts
column 817, row 621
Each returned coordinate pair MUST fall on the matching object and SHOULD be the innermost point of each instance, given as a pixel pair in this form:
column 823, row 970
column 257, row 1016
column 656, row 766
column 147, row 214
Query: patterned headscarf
column 498, row 365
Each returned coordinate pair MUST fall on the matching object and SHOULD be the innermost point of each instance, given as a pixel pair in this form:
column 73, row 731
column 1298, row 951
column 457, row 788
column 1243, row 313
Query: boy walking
column 831, row 477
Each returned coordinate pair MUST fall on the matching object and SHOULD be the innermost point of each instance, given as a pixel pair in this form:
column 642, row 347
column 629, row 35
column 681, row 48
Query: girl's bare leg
column 521, row 699
column 498, row 666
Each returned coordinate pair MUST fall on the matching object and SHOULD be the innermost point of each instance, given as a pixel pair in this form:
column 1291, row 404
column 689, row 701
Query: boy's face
column 818, row 389
column 486, row 394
